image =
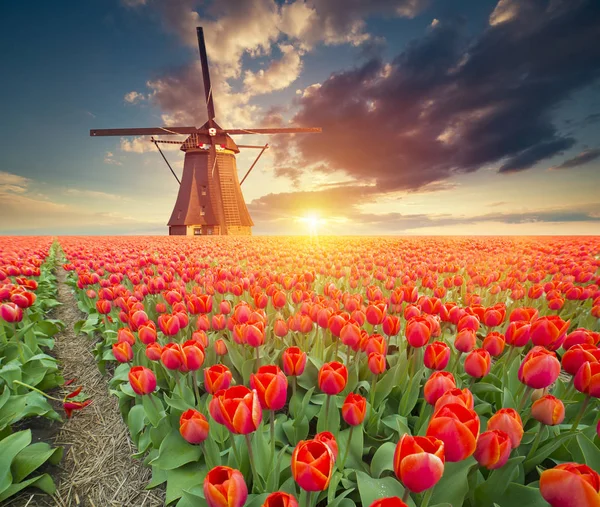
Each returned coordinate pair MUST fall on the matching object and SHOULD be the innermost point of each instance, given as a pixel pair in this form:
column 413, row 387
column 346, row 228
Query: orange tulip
column 419, row 462
column 390, row 501
column 494, row 343
column 354, row 409
column 587, row 379
column 465, row 340
column 312, row 465
column 193, row 426
column 329, row 440
column 437, row 355
column 122, row 352
column 237, row 408
column 570, row 485
column 294, row 361
column 225, row 487
column 192, row 356
column 280, row 499
column 518, row 333
column 539, row 368
column 220, row 347
column 493, row 449
column 172, row 356
column 271, row 386
column 548, row 410
column 332, row 378
column 456, row 426
column 418, row 331
column 438, row 383
column 509, row 421
column 478, row 363
column 376, row 363
column 577, row 355
column 463, row 397
column 391, row 325
column 153, row 351
column 549, row 332
column 216, row 378
column 142, row 380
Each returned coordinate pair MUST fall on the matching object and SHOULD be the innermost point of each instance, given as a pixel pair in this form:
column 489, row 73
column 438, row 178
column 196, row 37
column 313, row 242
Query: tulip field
column 271, row 371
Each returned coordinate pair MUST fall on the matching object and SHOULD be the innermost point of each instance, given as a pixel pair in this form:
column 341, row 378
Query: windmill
column 210, row 200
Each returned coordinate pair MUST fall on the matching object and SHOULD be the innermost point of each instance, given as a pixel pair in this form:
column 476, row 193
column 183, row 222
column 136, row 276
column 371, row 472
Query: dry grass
column 97, row 469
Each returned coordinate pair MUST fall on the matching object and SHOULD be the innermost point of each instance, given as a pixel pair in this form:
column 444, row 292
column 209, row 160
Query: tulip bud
column 193, row 426
column 332, row 378
column 376, row 363
column 390, row 501
column 577, row 355
column 494, row 343
column 587, row 379
column 312, row 465
column 463, row 397
column 570, row 485
column 354, row 409
column 220, row 347
column 438, row 383
column 271, row 386
column 122, row 352
column 418, row 331
column 153, row 351
column 142, row 380
column 465, row 340
column 224, row 486
column 539, row 368
column 458, row 428
column 217, row 378
column 478, row 363
column 237, row 408
column 493, row 449
column 509, row 421
column 294, row 361
column 192, row 356
column 437, row 355
column 548, row 410
column 518, row 333
column 329, row 440
column 172, row 356
column 549, row 332
column 147, row 333
column 419, row 462
column 280, row 499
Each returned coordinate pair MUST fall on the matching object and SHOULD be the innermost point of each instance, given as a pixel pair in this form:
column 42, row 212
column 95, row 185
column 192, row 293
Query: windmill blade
column 165, row 159
column 254, row 163
column 154, row 131
column 205, row 74
column 292, row 130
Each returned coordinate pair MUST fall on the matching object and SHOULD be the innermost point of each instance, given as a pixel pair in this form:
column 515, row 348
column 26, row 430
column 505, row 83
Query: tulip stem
column 37, row 390
column 337, row 344
column 235, row 450
column 406, row 495
column 327, row 408
column 372, row 392
column 427, row 497
column 348, row 356
column 580, row 415
column 309, row 499
column 536, row 442
column 525, row 397
column 455, row 361
column 251, row 456
column 196, row 390
column 343, row 462
column 272, row 424
column 257, row 360
column 294, row 383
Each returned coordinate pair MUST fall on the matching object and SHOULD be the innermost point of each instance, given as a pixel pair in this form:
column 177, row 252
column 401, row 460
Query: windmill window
column 178, row 214
column 197, row 231
column 203, row 211
column 203, row 189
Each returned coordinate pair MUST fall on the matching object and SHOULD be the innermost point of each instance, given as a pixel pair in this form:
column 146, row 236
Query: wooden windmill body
column 210, row 200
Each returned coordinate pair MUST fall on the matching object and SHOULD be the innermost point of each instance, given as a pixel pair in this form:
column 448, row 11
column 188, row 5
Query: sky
column 454, row 117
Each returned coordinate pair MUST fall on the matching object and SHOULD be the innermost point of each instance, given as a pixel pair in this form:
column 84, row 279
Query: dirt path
column 97, row 468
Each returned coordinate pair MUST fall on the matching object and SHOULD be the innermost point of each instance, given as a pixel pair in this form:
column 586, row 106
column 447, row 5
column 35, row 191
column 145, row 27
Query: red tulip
column 280, row 328
column 375, row 313
column 312, row 465
column 332, row 378
column 354, row 409
column 570, row 485
column 147, row 333
column 375, row 343
column 225, row 487
column 280, row 499
column 153, row 351
column 217, row 322
column 509, row 421
column 391, row 325
column 193, row 426
column 376, row 363
column 548, row 410
column 419, row 462
column 462, row 397
column 539, row 369
column 437, row 355
column 390, row 501
column 216, row 378
column 125, row 334
column 103, row 306
column 577, row 355
column 458, row 428
column 478, row 363
column 467, row 321
column 294, row 361
column 329, row 440
column 237, row 408
column 122, row 352
column 192, row 355
column 418, row 331
column 549, row 332
column 526, row 314
column 172, row 356
column 493, row 449
column 518, row 333
column 580, row 335
column 494, row 315
column 168, row 324
column 494, row 343
column 350, row 335
column 438, row 383
column 271, row 386
column 69, row 406
column 587, row 379
column 142, row 380
column 465, row 340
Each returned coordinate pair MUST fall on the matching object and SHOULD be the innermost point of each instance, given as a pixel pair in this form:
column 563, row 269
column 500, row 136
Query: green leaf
column 31, row 458
column 43, row 482
column 517, row 494
column 9, row 448
column 454, row 484
column 383, row 459
column 496, row 483
column 371, row 489
column 411, row 395
column 588, row 452
column 331, row 420
column 184, row 478
column 546, row 450
column 175, row 451
column 153, row 407
column 136, row 419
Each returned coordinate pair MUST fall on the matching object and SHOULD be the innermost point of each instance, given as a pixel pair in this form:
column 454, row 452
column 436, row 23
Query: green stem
column 153, row 401
column 372, row 392
column 196, row 390
column 309, row 499
column 272, row 424
column 348, row 356
column 252, row 463
column 327, row 408
column 455, row 361
column 427, row 497
column 337, row 344
column 536, row 443
column 581, row 413
column 525, row 397
column 294, row 383
column 205, row 454
column 257, row 360
column 235, row 450
column 406, row 495
column 343, row 462
column 36, row 390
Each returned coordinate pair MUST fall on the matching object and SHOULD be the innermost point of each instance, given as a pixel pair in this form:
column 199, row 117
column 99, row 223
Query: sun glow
column 313, row 222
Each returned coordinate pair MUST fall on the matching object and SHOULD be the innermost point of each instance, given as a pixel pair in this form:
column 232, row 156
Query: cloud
column 450, row 103
column 143, row 145
column 95, row 194
column 134, row 97
column 279, row 75
column 110, row 160
column 581, row 159
column 12, row 183
column 133, row 3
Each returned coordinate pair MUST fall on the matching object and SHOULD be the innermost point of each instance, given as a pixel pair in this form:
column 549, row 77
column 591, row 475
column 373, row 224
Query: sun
column 313, row 222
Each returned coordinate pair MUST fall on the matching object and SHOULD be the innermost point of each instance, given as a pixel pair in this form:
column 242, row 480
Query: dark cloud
column 450, row 104
column 581, row 159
